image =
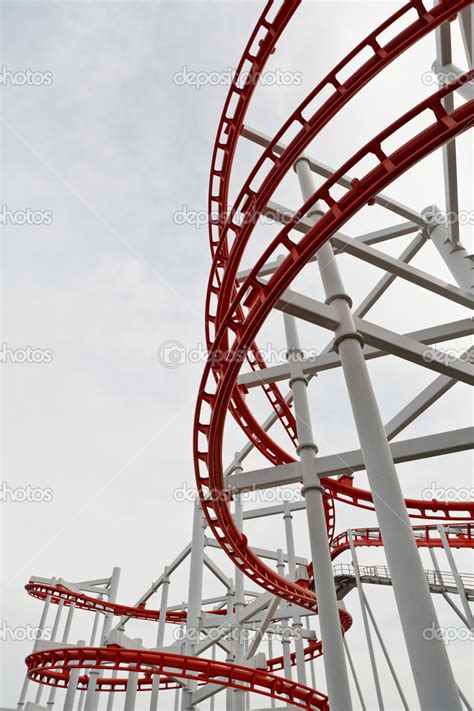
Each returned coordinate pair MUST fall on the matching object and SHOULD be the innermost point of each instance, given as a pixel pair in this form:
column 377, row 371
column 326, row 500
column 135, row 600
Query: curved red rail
column 53, row 667
column 259, row 298
column 222, row 224
column 235, row 313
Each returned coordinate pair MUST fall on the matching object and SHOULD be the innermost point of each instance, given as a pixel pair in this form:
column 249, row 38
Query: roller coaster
column 114, row 669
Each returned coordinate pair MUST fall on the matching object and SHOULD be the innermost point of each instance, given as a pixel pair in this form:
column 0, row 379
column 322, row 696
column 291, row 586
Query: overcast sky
column 110, row 149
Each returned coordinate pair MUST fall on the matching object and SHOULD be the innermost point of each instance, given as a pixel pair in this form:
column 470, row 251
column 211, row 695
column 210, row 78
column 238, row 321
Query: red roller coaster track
column 235, row 312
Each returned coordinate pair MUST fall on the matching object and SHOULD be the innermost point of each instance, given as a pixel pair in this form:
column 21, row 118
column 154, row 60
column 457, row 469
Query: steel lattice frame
column 238, row 303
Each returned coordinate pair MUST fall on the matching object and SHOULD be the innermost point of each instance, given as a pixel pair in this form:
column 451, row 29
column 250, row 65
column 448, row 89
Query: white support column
column 459, row 262
column 311, row 661
column 239, row 697
column 54, row 632
column 229, row 694
column 177, row 693
column 39, row 635
column 107, row 626
column 285, row 640
column 112, row 597
column 373, row 663
column 194, row 596
column 160, row 638
column 270, row 656
column 72, row 684
column 297, row 623
column 334, row 661
column 434, row 679
column 92, row 697
column 64, row 639
column 132, row 684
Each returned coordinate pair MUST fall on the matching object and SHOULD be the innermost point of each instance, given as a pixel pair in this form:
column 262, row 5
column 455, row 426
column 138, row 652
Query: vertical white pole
column 194, row 596
column 297, row 623
column 132, row 684
column 64, row 639
column 72, row 684
column 160, row 638
column 112, row 597
column 239, row 602
column 177, row 693
column 270, row 656
column 54, row 632
column 230, row 657
column 39, row 635
column 285, row 640
column 334, row 660
column 311, row 662
column 430, row 664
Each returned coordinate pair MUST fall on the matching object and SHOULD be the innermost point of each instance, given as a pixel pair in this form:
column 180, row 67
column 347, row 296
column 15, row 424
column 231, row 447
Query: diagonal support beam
column 429, row 395
column 326, row 172
column 375, row 257
column 268, row 617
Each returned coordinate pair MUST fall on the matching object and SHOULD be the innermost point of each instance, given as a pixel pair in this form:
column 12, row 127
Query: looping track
column 236, row 312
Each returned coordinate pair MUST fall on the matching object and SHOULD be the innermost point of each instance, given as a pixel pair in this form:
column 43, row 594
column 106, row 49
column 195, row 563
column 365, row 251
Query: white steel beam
column 467, row 31
column 375, row 257
column 429, row 395
column 444, row 57
column 459, row 262
column 330, row 360
column 402, row 346
column 407, row 450
column 432, row 671
column 326, row 172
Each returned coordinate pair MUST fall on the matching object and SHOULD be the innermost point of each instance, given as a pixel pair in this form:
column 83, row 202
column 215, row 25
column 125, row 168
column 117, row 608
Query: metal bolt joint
column 334, row 297
column 350, row 334
column 311, row 487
